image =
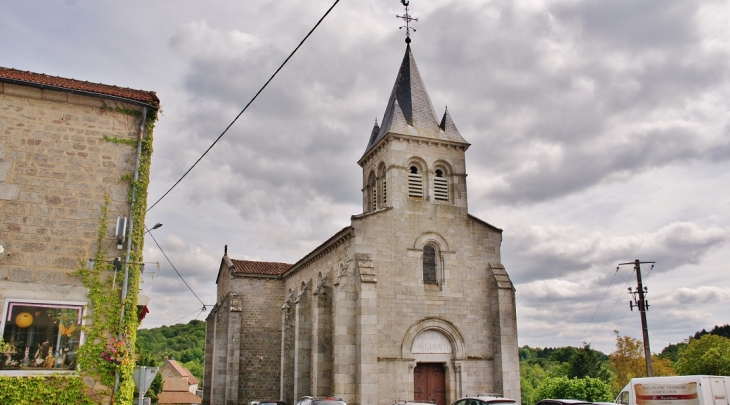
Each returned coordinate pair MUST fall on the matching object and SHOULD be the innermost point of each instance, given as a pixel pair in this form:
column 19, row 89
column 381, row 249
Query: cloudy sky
column 600, row 134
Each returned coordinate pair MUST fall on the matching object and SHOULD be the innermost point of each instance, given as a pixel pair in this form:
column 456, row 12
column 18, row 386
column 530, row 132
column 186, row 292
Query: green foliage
column 50, row 390
column 723, row 331
column 670, row 352
column 182, row 342
column 530, row 377
column 587, row 362
column 117, row 141
column 587, row 389
column 105, row 305
column 122, row 110
column 710, row 354
column 104, row 291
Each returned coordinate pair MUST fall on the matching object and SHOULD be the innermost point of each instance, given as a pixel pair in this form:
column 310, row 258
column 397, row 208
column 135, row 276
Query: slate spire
column 409, row 110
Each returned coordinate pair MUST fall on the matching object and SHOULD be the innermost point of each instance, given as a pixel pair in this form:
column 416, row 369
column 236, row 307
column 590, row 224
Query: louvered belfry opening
column 415, row 183
column 429, row 265
column 374, row 197
column 440, row 186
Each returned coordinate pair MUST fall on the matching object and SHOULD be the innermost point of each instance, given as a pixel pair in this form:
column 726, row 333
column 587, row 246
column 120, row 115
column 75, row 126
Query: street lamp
column 157, row 225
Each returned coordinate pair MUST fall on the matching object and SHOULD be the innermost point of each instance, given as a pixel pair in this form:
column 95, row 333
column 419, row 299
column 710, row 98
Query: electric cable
column 174, row 268
column 247, row 105
column 611, row 311
column 599, row 304
column 180, row 319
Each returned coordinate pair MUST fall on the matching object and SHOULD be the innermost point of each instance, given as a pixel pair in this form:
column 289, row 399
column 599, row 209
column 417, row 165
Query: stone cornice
column 391, row 136
column 322, row 250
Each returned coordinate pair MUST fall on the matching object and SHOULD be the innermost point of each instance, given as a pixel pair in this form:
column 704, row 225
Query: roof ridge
column 26, row 76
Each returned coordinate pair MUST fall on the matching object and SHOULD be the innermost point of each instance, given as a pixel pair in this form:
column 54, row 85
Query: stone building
column 68, row 150
column 411, row 301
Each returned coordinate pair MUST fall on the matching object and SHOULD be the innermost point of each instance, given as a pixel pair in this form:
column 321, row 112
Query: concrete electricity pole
column 643, row 306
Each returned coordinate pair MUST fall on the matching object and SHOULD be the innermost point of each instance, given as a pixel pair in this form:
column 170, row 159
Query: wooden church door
column 429, row 381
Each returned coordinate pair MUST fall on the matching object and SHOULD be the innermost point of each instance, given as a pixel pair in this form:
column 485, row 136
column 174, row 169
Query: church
column 411, row 301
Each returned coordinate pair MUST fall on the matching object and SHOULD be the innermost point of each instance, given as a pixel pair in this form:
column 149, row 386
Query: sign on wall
column 431, row 342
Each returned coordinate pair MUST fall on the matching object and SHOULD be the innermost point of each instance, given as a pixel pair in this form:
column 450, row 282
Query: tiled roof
column 409, row 110
column 251, row 267
column 182, row 371
column 178, row 398
column 73, row 84
column 175, row 384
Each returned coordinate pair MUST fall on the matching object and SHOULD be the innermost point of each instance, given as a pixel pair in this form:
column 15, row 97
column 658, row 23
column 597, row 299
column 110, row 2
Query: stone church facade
column 411, row 301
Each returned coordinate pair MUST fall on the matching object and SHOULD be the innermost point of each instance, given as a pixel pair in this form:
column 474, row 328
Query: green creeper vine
column 53, row 390
column 118, row 141
column 101, row 279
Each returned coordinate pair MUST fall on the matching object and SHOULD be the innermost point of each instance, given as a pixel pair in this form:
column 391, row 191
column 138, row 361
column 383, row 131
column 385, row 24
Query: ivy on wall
column 105, row 328
column 53, row 390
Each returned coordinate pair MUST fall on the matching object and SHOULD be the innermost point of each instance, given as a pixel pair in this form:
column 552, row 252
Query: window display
column 40, row 334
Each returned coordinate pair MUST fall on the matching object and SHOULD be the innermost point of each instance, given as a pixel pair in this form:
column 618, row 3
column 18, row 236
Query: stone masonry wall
column 55, row 169
column 260, row 334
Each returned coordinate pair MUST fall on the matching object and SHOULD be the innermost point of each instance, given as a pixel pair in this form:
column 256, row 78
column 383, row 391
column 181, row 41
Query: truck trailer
column 678, row 390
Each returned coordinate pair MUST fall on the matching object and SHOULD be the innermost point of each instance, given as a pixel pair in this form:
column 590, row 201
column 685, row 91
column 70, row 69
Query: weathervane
column 407, row 18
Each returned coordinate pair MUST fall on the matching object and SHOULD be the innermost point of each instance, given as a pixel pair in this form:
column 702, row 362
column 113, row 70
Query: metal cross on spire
column 407, row 18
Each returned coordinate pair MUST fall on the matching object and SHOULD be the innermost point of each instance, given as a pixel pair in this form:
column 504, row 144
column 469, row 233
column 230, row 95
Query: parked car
column 562, row 402
column 485, row 399
column 407, row 402
column 305, row 400
column 327, row 401
column 266, row 402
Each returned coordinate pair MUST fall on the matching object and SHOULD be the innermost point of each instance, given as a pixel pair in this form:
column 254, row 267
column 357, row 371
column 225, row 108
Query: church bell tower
column 413, row 158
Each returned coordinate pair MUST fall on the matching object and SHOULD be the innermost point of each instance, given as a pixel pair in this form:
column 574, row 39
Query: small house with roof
column 179, row 385
column 410, row 300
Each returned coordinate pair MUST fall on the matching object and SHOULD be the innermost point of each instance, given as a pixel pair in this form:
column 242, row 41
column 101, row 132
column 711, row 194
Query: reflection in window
column 41, row 335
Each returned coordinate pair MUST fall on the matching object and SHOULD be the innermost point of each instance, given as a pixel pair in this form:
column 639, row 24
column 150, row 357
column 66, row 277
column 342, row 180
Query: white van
column 679, row 390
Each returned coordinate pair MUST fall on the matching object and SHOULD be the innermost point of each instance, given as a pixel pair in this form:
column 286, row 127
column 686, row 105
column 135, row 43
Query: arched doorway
column 434, row 345
column 432, row 350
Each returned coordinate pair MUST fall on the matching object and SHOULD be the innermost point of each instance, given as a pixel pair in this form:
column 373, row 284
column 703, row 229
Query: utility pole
column 643, row 306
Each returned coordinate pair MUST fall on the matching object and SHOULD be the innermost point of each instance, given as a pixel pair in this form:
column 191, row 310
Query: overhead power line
column 599, row 305
column 174, row 268
column 246, row 107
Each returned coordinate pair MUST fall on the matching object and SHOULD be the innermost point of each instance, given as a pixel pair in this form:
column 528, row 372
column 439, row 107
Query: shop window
column 41, row 335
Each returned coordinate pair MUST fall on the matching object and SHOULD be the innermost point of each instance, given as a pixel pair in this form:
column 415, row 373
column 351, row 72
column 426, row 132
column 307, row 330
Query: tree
column 587, row 362
column 586, row 389
column 627, row 361
column 530, row 377
column 710, row 354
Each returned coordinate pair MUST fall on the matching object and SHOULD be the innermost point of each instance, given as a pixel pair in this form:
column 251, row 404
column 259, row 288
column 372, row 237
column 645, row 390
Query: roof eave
column 44, row 86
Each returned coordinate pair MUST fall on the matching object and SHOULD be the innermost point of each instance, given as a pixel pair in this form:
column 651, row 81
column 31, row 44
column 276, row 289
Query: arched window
column 429, row 265
column 440, row 186
column 371, row 193
column 383, row 187
column 415, row 182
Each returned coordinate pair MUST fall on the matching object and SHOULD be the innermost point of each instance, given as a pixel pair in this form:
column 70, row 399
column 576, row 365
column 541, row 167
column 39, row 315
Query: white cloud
column 599, row 135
